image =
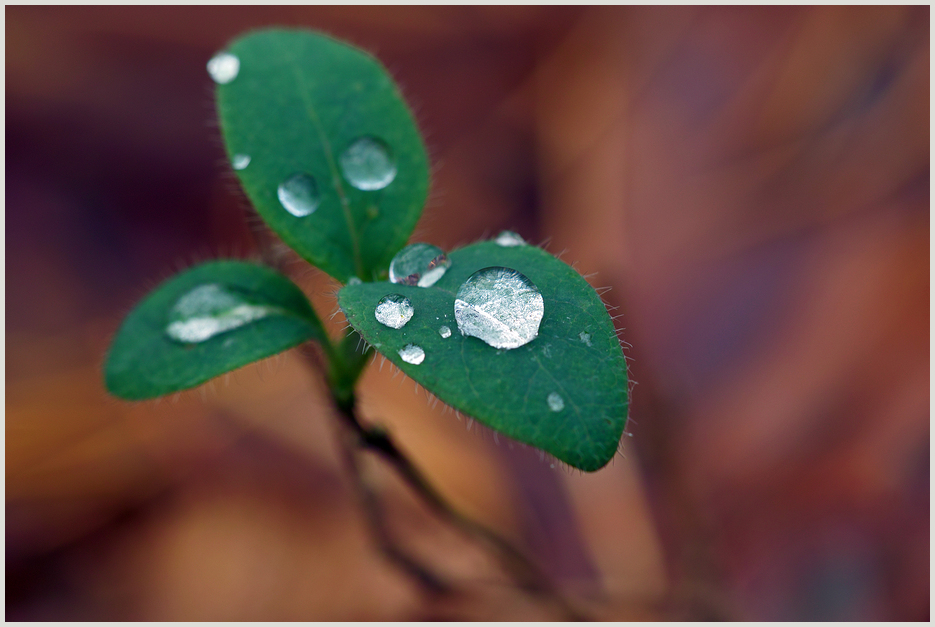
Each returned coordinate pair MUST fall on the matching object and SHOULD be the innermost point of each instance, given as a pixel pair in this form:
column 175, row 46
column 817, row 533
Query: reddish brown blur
column 752, row 182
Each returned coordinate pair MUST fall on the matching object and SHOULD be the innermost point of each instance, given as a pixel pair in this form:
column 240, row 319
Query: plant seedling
column 331, row 159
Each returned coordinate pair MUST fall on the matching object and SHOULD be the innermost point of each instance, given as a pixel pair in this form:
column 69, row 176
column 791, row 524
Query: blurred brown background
column 752, row 182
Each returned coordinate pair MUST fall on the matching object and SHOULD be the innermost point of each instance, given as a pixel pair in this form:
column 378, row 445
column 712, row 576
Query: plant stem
column 350, row 445
column 525, row 572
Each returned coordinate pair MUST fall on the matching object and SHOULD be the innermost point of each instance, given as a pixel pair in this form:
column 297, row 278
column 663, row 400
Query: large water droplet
column 412, row 354
column 509, row 238
column 555, row 402
column 419, row 264
column 368, row 165
column 210, row 309
column 444, row 331
column 394, row 311
column 299, row 195
column 223, row 67
column 500, row 306
column 240, row 161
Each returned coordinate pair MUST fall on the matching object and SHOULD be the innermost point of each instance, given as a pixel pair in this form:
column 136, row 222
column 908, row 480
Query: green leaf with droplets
column 576, row 356
column 305, row 107
column 206, row 321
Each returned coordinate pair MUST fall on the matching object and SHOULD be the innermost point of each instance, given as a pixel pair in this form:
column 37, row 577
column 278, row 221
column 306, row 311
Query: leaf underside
column 576, row 355
column 144, row 362
column 299, row 101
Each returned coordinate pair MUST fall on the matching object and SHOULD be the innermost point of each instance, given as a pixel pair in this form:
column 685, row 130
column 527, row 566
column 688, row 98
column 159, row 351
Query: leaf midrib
column 329, row 156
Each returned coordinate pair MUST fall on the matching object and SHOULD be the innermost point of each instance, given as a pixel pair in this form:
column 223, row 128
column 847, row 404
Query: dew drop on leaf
column 585, row 338
column 555, row 402
column 394, row 311
column 509, row 238
column 444, row 331
column 223, row 67
column 368, row 165
column 209, row 310
column 500, row 306
column 240, row 161
column 354, row 281
column 419, row 264
column 298, row 194
column 412, row 354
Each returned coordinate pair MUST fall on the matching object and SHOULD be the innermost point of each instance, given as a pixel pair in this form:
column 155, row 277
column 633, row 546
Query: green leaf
column 575, row 356
column 305, row 107
column 204, row 322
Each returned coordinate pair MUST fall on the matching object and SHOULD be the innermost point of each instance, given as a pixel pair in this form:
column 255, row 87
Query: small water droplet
column 240, row 161
column 299, row 195
column 208, row 310
column 394, row 311
column 368, row 165
column 444, row 331
column 555, row 402
column 547, row 351
column 509, row 238
column 585, row 337
column 223, row 67
column 500, row 306
column 412, row 354
column 354, row 281
column 419, row 264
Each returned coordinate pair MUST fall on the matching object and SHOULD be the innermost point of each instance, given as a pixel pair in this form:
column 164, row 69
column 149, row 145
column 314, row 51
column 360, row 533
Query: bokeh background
column 753, row 183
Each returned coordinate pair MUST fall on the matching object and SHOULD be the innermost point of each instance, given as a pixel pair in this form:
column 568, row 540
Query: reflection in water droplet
column 368, row 165
column 394, row 311
column 419, row 264
column 412, row 354
column 208, row 310
column 354, row 281
column 444, row 331
column 299, row 194
column 509, row 238
column 555, row 402
column 500, row 306
column 223, row 67
column 585, row 337
column 239, row 162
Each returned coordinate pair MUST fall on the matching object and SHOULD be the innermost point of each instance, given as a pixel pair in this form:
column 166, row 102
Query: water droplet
column 585, row 337
column 299, row 195
column 354, row 281
column 555, row 402
column 412, row 354
column 394, row 311
column 500, row 306
column 444, row 331
column 223, row 67
column 239, row 161
column 419, row 264
column 368, row 165
column 509, row 238
column 209, row 310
